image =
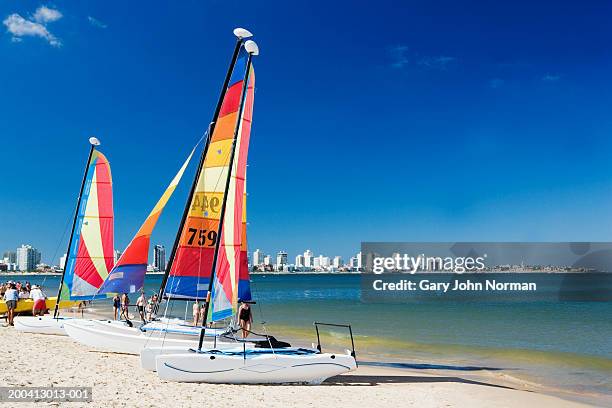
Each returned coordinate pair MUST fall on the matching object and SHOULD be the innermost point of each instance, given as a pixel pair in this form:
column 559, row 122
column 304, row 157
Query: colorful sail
column 192, row 265
column 129, row 273
column 224, row 297
column 91, row 254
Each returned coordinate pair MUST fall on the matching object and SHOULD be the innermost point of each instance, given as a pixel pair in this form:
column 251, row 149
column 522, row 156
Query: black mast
column 94, row 142
column 241, row 34
column 245, row 85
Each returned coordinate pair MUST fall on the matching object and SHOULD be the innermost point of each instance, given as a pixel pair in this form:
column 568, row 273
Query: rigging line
column 98, row 289
column 61, row 241
column 217, row 184
column 201, row 175
column 162, row 286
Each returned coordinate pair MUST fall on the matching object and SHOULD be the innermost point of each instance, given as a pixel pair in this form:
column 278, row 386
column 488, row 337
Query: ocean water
column 563, row 344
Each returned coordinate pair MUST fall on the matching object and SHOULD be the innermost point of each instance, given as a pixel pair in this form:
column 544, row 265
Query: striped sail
column 232, row 249
column 129, row 273
column 91, row 254
column 192, row 265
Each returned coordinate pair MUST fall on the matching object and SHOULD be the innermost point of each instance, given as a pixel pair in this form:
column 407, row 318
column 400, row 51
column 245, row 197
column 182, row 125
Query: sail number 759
column 202, row 237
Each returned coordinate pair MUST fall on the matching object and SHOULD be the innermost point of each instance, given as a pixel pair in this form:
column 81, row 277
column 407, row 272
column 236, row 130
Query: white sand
column 117, row 381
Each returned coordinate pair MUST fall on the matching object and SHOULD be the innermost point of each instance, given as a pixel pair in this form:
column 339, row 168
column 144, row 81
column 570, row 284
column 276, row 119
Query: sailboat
column 127, row 276
column 188, row 273
column 90, row 247
column 223, row 175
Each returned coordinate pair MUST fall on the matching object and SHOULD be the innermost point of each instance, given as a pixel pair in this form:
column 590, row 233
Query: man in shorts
column 140, row 305
column 40, row 306
column 11, row 296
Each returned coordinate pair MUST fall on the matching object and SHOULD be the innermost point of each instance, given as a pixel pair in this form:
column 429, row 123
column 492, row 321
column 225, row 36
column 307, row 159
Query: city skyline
column 158, row 258
column 416, row 128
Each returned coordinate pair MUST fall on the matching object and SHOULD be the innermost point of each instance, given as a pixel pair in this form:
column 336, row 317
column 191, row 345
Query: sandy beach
column 117, row 381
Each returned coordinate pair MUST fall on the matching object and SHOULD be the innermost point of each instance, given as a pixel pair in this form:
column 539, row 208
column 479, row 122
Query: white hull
column 149, row 354
column 254, row 369
column 41, row 324
column 49, row 325
column 179, row 330
column 106, row 336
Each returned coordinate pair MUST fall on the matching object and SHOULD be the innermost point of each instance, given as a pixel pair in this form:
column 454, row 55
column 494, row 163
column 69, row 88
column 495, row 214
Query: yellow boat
column 25, row 305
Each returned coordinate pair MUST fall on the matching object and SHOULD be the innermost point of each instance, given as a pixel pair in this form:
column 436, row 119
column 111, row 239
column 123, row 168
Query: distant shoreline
column 12, row 273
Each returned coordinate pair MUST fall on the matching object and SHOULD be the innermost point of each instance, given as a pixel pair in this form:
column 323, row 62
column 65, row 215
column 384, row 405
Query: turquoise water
column 561, row 343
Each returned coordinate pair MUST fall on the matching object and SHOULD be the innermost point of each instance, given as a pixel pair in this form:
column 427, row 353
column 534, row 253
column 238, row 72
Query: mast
column 252, row 49
column 94, row 142
column 241, row 35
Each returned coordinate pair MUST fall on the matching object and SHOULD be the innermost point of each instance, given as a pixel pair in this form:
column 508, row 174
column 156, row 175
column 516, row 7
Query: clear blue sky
column 437, row 121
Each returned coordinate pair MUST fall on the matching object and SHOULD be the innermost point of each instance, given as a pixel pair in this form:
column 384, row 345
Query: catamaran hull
column 178, row 329
column 149, row 354
column 260, row 369
column 50, row 325
column 106, row 337
column 41, row 324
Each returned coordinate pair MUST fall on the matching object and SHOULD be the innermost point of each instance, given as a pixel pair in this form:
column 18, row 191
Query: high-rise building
column 62, row 262
column 281, row 259
column 323, row 261
column 27, row 258
column 299, row 261
column 267, row 260
column 11, row 257
column 337, row 263
column 117, row 254
column 159, row 257
column 257, row 258
column 356, row 262
column 308, row 259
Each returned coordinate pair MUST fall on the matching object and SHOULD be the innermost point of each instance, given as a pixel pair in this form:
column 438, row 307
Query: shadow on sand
column 371, row 380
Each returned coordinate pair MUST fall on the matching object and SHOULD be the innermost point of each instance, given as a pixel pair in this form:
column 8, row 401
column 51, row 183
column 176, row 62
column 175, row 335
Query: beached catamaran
column 189, row 267
column 211, row 255
column 86, row 275
column 128, row 276
column 90, row 248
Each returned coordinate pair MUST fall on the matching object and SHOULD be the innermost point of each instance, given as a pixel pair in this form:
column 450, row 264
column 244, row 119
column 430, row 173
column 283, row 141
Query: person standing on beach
column 125, row 305
column 116, row 304
column 140, row 305
column 11, row 296
column 195, row 309
column 152, row 307
column 245, row 317
column 40, row 306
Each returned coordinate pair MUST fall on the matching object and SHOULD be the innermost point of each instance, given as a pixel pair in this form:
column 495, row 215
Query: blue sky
column 409, row 121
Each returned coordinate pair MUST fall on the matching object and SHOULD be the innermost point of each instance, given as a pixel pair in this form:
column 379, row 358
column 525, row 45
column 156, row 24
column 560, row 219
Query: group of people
column 146, row 308
column 11, row 292
column 23, row 289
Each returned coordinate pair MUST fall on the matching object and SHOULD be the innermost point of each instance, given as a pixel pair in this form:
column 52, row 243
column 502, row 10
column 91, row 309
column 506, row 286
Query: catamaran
column 90, row 247
column 210, row 254
column 185, row 278
column 86, row 275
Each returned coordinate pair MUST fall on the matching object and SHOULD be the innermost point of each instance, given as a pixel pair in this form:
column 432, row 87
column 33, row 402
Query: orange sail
column 129, row 273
